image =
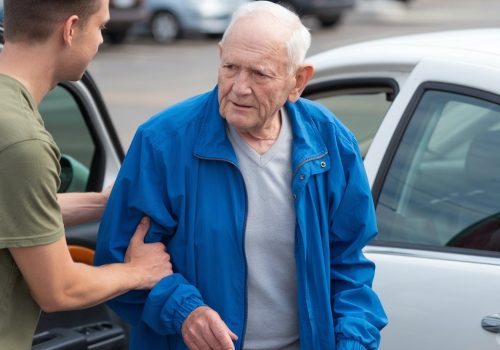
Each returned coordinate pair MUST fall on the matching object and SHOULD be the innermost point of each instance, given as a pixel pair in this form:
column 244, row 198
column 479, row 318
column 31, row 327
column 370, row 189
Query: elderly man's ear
column 302, row 76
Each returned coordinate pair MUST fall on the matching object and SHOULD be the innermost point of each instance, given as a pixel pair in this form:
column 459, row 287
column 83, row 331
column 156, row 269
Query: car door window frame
column 98, row 164
column 352, row 83
column 395, row 142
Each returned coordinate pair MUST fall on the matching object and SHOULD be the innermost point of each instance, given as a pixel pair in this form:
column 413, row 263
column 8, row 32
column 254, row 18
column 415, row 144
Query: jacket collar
column 213, row 142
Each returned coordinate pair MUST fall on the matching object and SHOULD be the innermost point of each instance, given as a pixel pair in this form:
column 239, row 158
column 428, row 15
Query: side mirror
column 74, row 175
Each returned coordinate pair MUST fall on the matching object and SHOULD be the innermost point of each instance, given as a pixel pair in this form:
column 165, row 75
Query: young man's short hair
column 34, row 20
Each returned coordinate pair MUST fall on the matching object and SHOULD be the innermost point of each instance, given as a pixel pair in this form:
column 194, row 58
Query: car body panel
column 423, row 314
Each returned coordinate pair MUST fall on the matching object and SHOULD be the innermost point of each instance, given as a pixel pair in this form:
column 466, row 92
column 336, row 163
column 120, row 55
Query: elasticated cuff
column 184, row 310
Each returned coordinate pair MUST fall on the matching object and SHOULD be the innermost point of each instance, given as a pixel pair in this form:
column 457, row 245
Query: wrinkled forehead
column 255, row 54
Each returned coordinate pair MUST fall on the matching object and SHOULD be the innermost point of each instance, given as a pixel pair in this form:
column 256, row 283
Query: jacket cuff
column 349, row 344
column 184, row 310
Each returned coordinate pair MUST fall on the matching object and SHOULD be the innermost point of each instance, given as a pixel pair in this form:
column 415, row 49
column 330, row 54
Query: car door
column 436, row 186
column 75, row 115
column 90, row 158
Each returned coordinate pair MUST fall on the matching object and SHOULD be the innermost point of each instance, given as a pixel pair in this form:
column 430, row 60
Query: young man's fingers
column 141, row 230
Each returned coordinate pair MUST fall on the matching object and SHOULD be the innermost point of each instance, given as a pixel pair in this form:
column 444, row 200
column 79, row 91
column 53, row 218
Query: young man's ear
column 69, row 29
column 302, row 76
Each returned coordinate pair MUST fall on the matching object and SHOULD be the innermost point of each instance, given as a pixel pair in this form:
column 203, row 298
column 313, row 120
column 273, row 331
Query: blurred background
column 159, row 52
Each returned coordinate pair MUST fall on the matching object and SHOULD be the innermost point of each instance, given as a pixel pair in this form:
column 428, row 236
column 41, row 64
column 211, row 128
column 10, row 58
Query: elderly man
column 262, row 201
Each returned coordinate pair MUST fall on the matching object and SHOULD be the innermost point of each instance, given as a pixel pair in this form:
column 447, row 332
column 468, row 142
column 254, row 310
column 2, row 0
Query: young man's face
column 88, row 38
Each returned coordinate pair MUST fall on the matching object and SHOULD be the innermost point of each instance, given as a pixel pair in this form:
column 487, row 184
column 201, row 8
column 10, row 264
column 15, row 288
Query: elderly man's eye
column 261, row 75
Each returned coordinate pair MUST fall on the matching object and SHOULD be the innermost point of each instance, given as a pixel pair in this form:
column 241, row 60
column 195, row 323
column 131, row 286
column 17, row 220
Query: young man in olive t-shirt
column 46, row 42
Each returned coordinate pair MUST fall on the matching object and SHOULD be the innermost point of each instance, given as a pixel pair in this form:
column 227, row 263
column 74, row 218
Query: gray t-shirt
column 272, row 320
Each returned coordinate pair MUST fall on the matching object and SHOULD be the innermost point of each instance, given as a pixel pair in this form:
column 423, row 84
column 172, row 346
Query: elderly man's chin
column 238, row 120
column 231, row 111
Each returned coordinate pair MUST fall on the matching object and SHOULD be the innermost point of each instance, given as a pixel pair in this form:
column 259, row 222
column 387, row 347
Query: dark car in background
column 328, row 12
column 124, row 14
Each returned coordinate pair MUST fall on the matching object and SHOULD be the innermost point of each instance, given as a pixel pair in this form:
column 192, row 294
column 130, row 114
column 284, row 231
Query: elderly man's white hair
column 300, row 39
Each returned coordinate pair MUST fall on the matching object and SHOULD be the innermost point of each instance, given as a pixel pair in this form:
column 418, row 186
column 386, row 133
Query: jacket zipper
column 306, row 286
column 307, row 161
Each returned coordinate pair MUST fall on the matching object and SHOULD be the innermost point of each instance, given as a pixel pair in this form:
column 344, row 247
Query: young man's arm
column 78, row 208
column 57, row 283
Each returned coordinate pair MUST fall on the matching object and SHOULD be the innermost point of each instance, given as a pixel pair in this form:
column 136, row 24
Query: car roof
column 404, row 52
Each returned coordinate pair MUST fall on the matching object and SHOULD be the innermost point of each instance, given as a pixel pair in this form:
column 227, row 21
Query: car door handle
column 491, row 323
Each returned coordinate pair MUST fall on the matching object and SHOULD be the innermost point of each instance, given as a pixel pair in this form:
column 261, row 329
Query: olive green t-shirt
column 29, row 213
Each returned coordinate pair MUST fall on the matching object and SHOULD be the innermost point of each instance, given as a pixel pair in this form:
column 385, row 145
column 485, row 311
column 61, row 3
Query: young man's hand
column 150, row 260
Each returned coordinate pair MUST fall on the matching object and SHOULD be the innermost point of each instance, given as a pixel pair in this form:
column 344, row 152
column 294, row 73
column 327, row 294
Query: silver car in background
column 171, row 19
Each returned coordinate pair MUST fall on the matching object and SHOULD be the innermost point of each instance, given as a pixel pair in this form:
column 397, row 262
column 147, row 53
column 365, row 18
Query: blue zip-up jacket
column 181, row 170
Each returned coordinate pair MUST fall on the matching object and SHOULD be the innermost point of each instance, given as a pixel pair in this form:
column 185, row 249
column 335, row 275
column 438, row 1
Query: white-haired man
column 262, row 201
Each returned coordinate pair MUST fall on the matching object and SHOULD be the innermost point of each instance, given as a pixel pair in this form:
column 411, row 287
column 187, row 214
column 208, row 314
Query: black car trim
column 89, row 82
column 353, row 83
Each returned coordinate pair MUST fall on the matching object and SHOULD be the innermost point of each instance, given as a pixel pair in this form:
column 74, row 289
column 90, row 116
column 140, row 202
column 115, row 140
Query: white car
column 426, row 111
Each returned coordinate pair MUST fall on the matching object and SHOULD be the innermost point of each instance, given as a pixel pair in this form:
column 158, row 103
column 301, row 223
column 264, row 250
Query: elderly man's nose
column 241, row 84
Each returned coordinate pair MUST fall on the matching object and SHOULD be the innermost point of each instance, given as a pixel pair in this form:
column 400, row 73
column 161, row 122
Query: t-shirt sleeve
column 29, row 179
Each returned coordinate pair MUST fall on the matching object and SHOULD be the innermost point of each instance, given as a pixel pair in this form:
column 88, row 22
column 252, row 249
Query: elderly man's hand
column 204, row 329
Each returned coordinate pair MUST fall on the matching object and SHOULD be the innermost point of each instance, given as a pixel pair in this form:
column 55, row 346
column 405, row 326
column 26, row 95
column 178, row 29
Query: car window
column 442, row 188
column 360, row 105
column 64, row 120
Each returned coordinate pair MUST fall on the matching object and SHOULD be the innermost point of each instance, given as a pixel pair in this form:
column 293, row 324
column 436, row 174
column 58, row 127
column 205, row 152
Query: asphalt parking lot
column 140, row 77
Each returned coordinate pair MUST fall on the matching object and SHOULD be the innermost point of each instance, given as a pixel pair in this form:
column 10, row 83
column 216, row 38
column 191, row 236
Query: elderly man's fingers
column 196, row 343
column 222, row 334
